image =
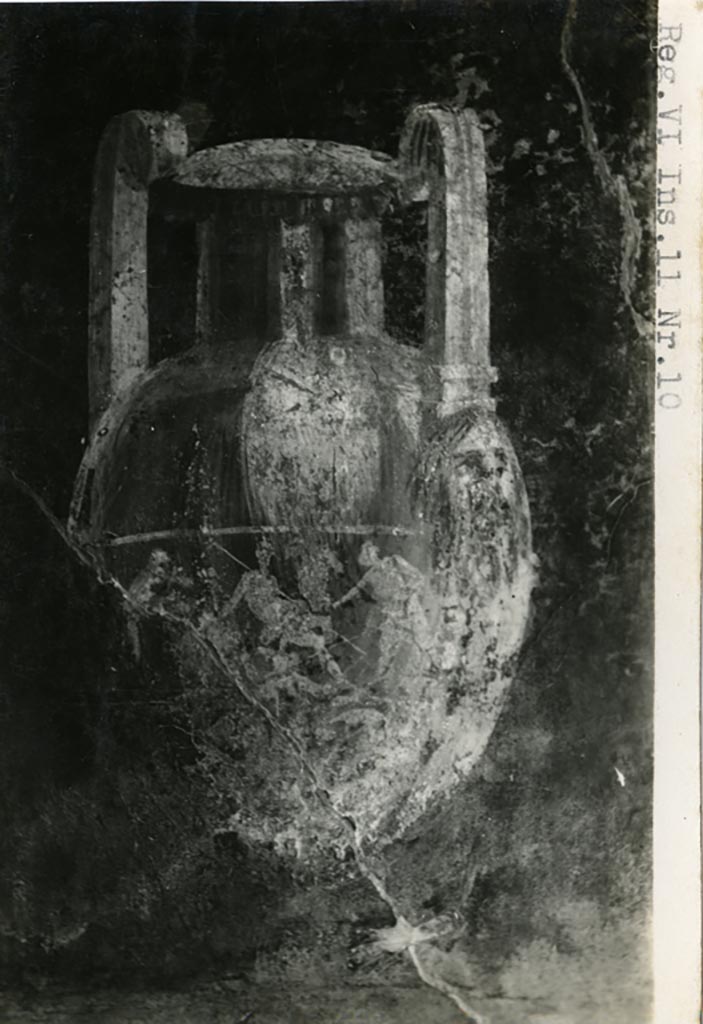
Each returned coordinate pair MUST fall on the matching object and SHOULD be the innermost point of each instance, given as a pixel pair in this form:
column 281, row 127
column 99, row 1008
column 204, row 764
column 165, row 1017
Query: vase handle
column 443, row 162
column 136, row 149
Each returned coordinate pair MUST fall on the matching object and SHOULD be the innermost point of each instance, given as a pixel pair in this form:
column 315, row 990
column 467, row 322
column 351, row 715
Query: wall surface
column 114, row 879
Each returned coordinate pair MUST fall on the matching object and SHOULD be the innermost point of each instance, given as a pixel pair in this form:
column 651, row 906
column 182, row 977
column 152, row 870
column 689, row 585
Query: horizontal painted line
column 359, row 530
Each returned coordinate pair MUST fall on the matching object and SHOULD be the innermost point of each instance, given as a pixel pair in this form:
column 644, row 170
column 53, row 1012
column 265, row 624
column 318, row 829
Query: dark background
column 94, row 779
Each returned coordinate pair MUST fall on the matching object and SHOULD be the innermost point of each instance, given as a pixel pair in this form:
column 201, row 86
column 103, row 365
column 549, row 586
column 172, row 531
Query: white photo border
column 678, row 425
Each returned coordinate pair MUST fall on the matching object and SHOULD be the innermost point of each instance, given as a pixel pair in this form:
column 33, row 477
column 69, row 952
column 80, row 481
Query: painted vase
column 336, row 521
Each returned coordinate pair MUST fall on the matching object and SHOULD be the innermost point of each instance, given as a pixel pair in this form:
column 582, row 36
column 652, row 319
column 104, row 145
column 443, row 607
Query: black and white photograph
column 329, row 342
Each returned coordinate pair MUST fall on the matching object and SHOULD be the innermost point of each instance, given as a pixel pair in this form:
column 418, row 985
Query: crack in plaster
column 435, row 981
column 90, row 560
column 612, row 184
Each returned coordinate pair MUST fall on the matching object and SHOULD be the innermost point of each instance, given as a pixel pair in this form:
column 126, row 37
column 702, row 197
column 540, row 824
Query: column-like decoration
column 363, row 279
column 295, row 260
column 207, row 283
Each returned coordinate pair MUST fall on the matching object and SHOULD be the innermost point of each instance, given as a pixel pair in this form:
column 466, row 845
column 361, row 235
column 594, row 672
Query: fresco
column 327, row 512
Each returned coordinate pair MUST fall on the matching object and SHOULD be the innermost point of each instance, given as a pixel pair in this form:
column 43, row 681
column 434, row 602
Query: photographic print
column 328, row 536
